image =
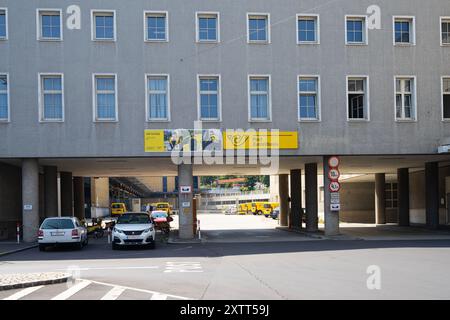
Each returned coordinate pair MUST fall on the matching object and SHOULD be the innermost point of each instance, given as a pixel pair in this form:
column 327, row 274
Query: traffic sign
column 333, row 162
column 185, row 189
column 334, row 186
column 335, row 207
column 335, row 198
column 334, row 174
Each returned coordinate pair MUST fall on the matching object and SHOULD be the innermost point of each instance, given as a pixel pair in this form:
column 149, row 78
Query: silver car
column 62, row 231
column 134, row 229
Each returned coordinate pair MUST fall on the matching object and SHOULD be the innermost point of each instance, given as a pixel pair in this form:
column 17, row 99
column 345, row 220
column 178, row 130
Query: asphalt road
column 313, row 269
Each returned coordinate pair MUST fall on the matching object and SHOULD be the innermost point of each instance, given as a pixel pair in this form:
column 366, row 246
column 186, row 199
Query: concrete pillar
column 312, row 218
column 66, row 194
column 295, row 217
column 51, row 191
column 284, row 199
column 78, row 197
column 403, row 197
column 30, row 199
column 432, row 194
column 100, row 197
column 380, row 198
column 331, row 217
column 185, row 178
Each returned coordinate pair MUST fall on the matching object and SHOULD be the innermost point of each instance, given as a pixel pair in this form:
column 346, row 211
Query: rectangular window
column 446, row 98
column 357, row 98
column 209, row 97
column 104, row 25
column 404, row 31
column 3, row 24
column 156, row 26
column 391, row 195
column 445, row 31
column 4, row 97
column 259, row 98
column 308, row 98
column 105, row 97
column 52, row 97
column 405, row 98
column 158, row 97
column 207, row 27
column 258, row 28
column 356, row 30
column 49, row 24
column 307, row 29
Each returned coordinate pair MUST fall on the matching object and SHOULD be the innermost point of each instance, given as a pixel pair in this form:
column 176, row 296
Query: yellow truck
column 244, row 208
column 263, row 207
column 163, row 206
column 118, row 208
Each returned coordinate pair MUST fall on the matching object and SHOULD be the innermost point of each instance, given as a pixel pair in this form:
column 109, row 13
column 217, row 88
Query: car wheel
column 152, row 245
column 42, row 247
column 86, row 241
column 79, row 245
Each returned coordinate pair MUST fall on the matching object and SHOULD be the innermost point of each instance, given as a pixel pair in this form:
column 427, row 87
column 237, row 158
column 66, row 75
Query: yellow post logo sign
column 154, row 141
column 260, row 140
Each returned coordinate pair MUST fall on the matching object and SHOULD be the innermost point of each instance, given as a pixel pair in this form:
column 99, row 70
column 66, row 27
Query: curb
column 172, row 241
column 35, row 283
column 2, row 254
column 306, row 234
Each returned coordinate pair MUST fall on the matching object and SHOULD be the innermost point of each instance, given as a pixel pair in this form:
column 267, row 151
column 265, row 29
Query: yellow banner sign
column 154, row 141
column 260, row 140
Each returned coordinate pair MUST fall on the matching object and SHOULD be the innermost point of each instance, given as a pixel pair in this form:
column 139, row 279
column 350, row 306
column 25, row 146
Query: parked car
column 118, row 208
column 133, row 229
column 275, row 213
column 62, row 231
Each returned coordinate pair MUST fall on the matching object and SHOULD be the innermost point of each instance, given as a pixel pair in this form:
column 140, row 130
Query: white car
column 62, row 231
column 134, row 229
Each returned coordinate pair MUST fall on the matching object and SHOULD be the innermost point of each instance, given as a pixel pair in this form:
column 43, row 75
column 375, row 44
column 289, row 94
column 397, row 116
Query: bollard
column 18, row 232
column 199, row 231
column 109, row 234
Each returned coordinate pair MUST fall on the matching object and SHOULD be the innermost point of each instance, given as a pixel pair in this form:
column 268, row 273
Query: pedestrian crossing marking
column 72, row 290
column 113, row 294
column 23, row 293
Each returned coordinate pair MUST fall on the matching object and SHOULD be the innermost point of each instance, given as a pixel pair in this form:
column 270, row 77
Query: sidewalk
column 25, row 280
column 9, row 247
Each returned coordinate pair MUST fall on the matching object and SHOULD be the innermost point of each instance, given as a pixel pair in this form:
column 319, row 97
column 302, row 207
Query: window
column 404, row 31
column 446, row 98
column 356, row 31
column 49, row 24
column 104, row 25
column 105, row 98
column 208, row 27
column 357, row 98
column 51, row 97
column 209, row 97
column 157, row 26
column 258, row 28
column 259, row 98
column 308, row 98
column 405, row 98
column 158, row 98
column 307, row 29
column 4, row 97
column 3, row 24
column 445, row 31
column 391, row 195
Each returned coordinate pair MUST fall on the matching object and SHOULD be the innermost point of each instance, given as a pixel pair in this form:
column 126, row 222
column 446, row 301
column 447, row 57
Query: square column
column 66, row 194
column 403, row 197
column 331, row 217
column 30, row 199
column 51, row 191
column 284, row 199
column 78, row 197
column 296, row 214
column 380, row 198
column 311, row 201
column 432, row 194
column 185, row 205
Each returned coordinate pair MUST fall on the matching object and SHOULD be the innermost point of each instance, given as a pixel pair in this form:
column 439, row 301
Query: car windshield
column 134, row 219
column 117, row 206
column 159, row 214
column 51, row 224
column 162, row 206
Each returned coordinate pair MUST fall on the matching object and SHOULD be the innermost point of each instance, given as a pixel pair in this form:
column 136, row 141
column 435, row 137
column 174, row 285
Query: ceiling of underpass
column 146, row 167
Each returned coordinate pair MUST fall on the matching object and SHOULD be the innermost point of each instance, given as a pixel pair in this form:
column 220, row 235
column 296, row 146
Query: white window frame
column 442, row 97
column 258, row 14
column 219, row 98
column 7, row 120
column 6, row 25
column 441, row 20
column 200, row 14
column 94, row 12
column 39, row 13
column 318, row 98
column 316, row 17
column 414, row 98
column 366, row 95
column 148, row 13
column 94, row 97
column 269, row 100
column 412, row 37
column 41, row 77
column 147, row 102
column 365, row 30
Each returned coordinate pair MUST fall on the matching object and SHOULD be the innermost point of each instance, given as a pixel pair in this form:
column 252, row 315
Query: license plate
column 57, row 234
column 133, row 237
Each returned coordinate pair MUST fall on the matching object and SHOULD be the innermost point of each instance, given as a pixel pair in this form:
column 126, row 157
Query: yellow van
column 243, row 209
column 268, row 208
column 118, row 208
column 164, row 206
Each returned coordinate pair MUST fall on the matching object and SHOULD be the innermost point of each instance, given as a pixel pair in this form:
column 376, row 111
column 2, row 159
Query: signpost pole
column 331, row 210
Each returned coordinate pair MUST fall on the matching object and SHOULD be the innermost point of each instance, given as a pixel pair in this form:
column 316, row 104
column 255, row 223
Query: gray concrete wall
column 10, row 200
column 23, row 57
column 357, row 202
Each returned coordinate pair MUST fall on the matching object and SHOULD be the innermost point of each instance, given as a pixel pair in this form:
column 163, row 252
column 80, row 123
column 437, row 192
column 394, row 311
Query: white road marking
column 159, row 296
column 113, row 294
column 112, row 268
column 183, row 267
column 72, row 290
column 23, row 293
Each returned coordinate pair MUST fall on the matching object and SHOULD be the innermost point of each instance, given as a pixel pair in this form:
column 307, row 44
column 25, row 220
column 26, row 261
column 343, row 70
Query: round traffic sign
column 334, row 186
column 334, row 174
column 333, row 162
